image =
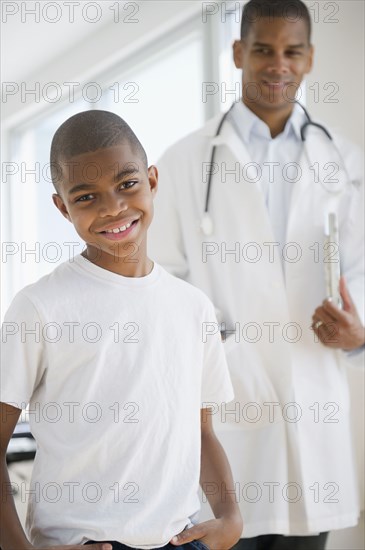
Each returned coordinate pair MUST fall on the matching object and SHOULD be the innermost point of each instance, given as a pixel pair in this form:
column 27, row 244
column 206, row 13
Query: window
column 161, row 98
column 159, row 95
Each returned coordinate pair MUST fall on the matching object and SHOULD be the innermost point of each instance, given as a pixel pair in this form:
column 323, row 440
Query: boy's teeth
column 119, row 229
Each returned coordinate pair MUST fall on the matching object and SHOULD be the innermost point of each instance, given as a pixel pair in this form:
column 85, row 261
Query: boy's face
column 274, row 57
column 108, row 196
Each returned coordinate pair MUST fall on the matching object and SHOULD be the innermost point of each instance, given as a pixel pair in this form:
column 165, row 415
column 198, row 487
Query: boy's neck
column 125, row 266
column 276, row 119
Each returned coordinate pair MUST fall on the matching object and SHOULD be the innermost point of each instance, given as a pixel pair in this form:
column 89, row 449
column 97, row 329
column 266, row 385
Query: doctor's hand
column 217, row 534
column 339, row 328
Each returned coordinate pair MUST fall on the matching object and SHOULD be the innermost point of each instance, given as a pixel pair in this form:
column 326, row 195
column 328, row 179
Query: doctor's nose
column 278, row 64
column 112, row 204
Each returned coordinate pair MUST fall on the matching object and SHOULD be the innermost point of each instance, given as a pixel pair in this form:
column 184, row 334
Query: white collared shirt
column 277, row 158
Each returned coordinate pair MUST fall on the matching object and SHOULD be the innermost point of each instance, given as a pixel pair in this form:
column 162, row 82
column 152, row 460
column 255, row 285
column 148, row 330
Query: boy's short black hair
column 89, row 131
column 292, row 10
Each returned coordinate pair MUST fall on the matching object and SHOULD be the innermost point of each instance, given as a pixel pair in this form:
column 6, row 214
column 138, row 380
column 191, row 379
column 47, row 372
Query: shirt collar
column 246, row 123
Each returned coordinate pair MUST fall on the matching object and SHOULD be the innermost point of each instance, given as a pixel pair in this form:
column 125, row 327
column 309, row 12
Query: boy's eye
column 264, row 51
column 128, row 184
column 85, row 198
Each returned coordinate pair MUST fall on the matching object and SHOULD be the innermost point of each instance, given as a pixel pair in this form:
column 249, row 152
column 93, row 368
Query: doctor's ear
column 153, row 178
column 310, row 58
column 60, row 205
column 238, row 53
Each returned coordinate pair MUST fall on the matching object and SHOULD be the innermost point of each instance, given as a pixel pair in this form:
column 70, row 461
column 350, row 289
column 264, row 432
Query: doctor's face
column 274, row 57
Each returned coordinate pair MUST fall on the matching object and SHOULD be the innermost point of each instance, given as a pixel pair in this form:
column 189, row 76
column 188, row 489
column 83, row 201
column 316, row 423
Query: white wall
column 339, row 59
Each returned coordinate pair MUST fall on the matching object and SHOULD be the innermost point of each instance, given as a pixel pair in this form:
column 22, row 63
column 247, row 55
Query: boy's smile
column 120, row 231
column 108, row 196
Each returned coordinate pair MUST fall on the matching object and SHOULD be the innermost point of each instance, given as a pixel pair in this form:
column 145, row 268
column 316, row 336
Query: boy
column 115, row 370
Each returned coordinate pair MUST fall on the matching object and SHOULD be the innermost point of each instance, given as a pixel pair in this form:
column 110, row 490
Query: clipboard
column 331, row 259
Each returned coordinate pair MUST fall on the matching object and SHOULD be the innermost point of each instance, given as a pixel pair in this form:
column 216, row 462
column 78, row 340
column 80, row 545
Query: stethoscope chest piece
column 206, row 224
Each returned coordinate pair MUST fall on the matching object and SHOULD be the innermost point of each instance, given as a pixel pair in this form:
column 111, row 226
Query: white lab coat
column 287, row 434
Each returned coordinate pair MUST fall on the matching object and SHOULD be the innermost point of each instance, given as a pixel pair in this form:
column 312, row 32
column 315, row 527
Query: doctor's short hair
column 89, row 131
column 292, row 10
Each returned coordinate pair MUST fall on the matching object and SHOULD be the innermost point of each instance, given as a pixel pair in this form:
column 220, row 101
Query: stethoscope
column 206, row 224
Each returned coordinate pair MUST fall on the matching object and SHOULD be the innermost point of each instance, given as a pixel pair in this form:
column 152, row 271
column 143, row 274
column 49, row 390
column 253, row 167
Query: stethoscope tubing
column 212, row 157
column 303, row 132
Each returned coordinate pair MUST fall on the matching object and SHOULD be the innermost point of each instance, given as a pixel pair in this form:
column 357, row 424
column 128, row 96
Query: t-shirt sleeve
column 22, row 353
column 216, row 382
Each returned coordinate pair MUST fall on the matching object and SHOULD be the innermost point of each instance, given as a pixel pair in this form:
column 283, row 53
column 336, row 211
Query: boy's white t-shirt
column 115, row 370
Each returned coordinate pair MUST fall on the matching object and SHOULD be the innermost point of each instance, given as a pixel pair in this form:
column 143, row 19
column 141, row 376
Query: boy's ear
column 58, row 202
column 153, row 179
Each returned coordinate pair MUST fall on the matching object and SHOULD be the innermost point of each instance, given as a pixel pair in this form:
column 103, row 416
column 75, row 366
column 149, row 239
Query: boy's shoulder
column 61, row 272
column 50, row 287
column 185, row 290
column 69, row 280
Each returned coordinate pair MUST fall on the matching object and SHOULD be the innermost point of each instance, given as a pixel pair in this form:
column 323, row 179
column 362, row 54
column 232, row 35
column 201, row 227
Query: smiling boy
column 122, row 363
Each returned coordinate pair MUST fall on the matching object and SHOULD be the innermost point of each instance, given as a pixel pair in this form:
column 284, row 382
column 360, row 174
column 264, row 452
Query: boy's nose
column 112, row 205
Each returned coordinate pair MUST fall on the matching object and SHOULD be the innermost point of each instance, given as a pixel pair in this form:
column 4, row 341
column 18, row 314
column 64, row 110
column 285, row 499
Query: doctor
column 261, row 258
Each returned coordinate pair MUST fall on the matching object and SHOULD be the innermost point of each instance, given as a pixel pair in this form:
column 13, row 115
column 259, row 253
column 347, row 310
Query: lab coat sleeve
column 165, row 240
column 352, row 230
column 352, row 253
column 352, row 239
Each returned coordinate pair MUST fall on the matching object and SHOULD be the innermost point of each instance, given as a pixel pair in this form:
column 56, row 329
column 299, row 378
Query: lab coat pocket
column 255, row 387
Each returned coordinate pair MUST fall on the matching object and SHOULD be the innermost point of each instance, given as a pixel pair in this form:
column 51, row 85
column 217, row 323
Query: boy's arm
column 12, row 533
column 215, row 477
column 12, row 536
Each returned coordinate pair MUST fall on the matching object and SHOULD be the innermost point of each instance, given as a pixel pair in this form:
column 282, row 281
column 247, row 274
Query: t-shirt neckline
column 83, row 264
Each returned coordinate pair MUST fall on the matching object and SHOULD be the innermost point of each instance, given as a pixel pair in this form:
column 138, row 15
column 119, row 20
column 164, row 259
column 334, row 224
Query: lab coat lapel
column 227, row 137
column 321, row 171
column 252, row 193
column 297, row 196
column 249, row 195
column 230, row 139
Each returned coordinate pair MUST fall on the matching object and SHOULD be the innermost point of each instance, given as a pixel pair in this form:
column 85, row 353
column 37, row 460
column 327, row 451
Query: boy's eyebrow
column 130, row 170
column 80, row 187
column 87, row 186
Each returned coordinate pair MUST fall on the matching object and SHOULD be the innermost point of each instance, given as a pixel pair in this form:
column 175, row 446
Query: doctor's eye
column 294, row 53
